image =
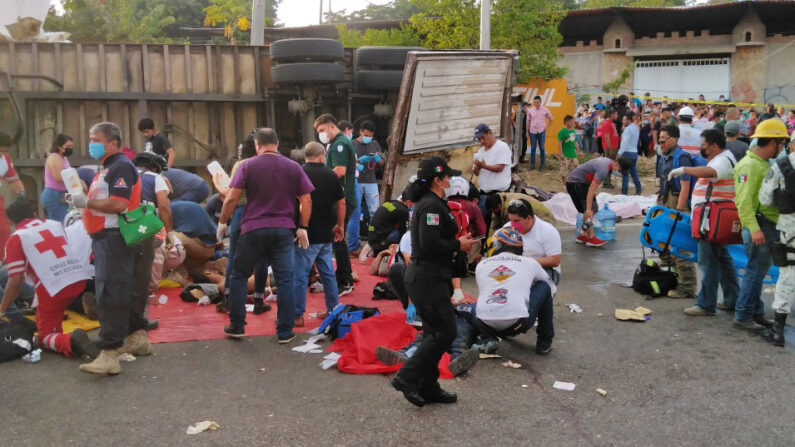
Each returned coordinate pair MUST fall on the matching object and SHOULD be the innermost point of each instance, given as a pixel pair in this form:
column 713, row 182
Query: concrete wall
column 585, row 71
column 779, row 74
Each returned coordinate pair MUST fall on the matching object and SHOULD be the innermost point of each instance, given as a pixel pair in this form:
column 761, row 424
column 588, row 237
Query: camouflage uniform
column 785, row 287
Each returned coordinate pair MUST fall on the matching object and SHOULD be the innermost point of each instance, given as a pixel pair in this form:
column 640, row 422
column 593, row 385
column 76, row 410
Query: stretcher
column 667, row 227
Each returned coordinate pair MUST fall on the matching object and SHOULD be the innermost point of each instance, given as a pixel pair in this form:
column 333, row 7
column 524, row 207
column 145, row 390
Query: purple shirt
column 272, row 182
column 537, row 119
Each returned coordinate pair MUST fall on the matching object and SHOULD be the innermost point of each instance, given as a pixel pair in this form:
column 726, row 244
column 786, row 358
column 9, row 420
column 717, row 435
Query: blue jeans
column 260, row 271
column 51, row 201
column 717, row 268
column 25, row 294
column 197, row 194
column 355, row 220
column 538, row 140
column 320, row 255
column 633, row 171
column 750, row 301
column 275, row 247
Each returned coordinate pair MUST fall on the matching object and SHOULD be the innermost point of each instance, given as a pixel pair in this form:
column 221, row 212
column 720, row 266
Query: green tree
column 396, row 9
column 235, row 16
column 111, row 21
column 593, row 4
column 404, row 36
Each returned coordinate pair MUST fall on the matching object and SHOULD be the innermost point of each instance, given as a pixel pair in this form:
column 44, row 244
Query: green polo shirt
column 748, row 176
column 341, row 153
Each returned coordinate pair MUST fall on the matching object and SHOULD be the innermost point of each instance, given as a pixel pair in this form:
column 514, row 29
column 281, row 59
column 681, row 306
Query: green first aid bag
column 139, row 224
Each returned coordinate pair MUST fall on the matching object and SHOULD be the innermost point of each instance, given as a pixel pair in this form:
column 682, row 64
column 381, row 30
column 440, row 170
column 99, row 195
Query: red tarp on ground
column 358, row 347
column 181, row 321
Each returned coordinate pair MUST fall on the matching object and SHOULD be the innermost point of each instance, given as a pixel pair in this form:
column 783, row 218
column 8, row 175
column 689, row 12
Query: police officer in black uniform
column 428, row 281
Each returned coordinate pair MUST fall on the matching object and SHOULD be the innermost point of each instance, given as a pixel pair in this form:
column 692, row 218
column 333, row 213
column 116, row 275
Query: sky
column 303, row 12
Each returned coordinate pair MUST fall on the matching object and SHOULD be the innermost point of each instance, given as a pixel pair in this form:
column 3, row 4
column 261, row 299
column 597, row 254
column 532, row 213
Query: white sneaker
column 316, row 287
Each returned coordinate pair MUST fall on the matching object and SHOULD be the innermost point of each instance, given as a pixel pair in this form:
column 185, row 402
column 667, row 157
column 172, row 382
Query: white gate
column 684, row 78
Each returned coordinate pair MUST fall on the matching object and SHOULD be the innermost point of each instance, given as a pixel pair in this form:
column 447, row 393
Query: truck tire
column 386, row 57
column 306, row 49
column 379, row 79
column 305, row 72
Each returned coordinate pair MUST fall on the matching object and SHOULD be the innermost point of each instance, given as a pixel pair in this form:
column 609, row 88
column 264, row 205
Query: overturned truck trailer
column 443, row 96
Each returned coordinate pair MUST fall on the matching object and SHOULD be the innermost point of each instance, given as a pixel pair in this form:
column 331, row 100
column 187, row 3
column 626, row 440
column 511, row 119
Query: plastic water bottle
column 578, row 225
column 72, row 181
column 606, row 228
column 215, row 167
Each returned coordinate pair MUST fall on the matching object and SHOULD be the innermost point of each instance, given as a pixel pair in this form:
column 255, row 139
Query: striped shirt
column 722, row 185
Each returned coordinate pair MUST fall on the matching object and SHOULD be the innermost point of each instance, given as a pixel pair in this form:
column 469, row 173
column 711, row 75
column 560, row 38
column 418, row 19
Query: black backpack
column 16, row 340
column 384, row 290
column 651, row 279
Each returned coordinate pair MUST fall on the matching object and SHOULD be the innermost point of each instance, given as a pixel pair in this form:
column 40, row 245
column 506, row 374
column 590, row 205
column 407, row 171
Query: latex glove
column 205, row 300
column 301, row 238
column 377, row 158
column 221, row 231
column 411, row 313
column 76, row 200
column 365, row 158
column 678, row 172
column 359, row 167
column 458, row 296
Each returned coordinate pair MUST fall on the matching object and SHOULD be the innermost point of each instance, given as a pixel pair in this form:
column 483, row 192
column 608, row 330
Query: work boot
column 766, row 322
column 695, row 311
column 464, row 362
column 90, row 305
column 436, row 395
column 136, row 343
column 151, row 325
column 409, row 390
column 775, row 335
column 106, row 363
column 82, row 345
column 260, row 306
column 389, row 356
column 749, row 325
column 679, row 294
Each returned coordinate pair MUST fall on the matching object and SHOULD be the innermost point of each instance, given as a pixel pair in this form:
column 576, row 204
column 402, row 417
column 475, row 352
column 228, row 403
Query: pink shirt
column 537, row 119
column 49, row 180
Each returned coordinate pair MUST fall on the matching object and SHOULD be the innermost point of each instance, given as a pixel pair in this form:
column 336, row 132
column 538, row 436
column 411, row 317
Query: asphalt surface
column 673, row 380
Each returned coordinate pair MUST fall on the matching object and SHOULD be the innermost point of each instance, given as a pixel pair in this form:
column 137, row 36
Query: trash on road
column 629, row 315
column 566, row 386
column 574, row 308
column 330, row 360
column 202, row 426
column 601, row 391
column 489, row 356
column 643, row 311
column 510, row 364
column 33, row 356
column 524, row 385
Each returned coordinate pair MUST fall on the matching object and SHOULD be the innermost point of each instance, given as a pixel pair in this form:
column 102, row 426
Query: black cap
column 480, row 130
column 433, row 166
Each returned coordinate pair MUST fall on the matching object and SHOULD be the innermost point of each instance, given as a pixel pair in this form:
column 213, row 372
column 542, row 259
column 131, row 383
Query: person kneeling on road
column 56, row 286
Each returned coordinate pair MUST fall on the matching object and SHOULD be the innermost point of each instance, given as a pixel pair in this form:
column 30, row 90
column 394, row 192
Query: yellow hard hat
column 771, row 128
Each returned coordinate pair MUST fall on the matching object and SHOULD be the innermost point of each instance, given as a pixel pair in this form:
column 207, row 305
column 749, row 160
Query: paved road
column 674, row 380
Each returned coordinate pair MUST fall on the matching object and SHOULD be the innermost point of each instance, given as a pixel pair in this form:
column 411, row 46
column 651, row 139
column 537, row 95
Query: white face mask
column 323, row 137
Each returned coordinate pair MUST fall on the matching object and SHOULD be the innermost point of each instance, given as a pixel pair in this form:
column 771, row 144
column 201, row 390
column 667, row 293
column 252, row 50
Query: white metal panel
column 684, row 78
column 450, row 97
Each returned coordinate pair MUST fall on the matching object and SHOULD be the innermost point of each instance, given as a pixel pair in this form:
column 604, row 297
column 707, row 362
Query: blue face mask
column 96, row 150
column 366, row 140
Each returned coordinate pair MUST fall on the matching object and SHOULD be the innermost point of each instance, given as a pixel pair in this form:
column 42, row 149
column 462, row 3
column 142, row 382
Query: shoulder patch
column 432, row 219
column 340, row 148
column 120, row 183
column 389, row 206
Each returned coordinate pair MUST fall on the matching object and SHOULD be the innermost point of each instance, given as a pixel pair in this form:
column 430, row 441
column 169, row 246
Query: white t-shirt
column 499, row 154
column 160, row 184
column 722, row 185
column 542, row 240
column 690, row 139
column 405, row 243
column 504, row 281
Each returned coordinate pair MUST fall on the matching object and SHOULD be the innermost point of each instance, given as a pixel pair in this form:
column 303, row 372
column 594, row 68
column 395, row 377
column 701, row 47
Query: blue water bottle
column 579, row 225
column 606, row 230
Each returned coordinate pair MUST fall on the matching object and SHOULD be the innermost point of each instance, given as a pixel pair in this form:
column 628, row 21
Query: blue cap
column 481, row 129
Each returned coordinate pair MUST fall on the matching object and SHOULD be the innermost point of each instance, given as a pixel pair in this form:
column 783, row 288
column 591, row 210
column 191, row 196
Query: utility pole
column 320, row 13
column 258, row 22
column 485, row 24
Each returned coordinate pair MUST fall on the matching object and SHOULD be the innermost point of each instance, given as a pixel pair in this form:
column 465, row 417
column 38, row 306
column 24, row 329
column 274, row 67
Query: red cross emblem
column 51, row 243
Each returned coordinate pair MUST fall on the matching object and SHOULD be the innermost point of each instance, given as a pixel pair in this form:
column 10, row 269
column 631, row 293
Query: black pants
column 341, row 254
column 579, row 195
column 397, row 277
column 430, row 290
column 122, row 283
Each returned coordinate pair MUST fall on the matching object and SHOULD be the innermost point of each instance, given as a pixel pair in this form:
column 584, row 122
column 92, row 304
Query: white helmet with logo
column 686, row 111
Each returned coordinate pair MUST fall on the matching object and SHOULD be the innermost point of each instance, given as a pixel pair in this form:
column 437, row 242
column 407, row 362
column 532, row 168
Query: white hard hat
column 459, row 186
column 686, row 111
